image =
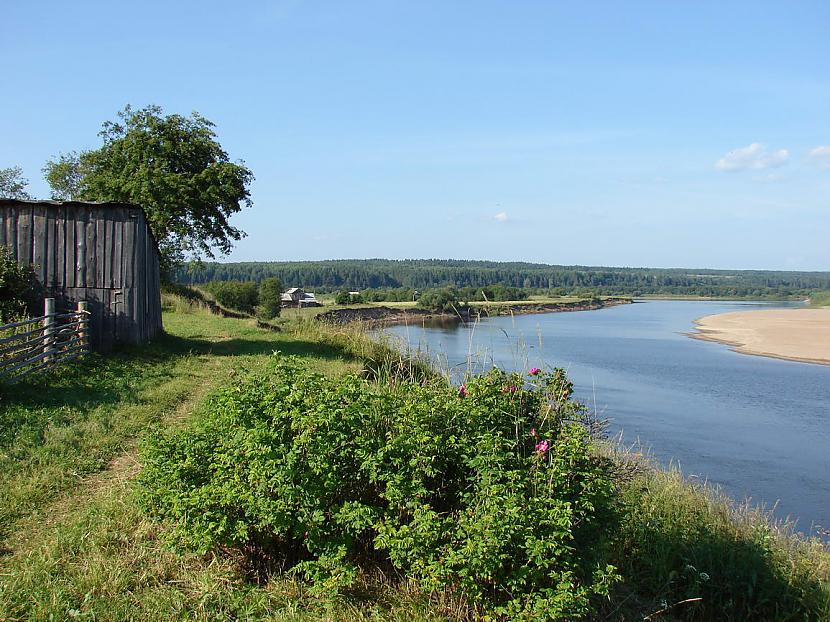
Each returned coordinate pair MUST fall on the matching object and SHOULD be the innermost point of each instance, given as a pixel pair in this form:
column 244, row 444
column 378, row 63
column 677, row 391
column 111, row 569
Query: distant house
column 296, row 297
column 293, row 295
column 103, row 253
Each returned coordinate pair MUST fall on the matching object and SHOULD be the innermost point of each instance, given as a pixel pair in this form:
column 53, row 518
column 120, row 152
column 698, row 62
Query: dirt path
column 118, row 473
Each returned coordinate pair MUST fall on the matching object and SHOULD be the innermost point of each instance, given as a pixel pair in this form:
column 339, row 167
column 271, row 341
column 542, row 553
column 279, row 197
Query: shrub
column 270, row 298
column 346, row 298
column 491, row 491
column 237, row 295
column 446, row 300
column 20, row 292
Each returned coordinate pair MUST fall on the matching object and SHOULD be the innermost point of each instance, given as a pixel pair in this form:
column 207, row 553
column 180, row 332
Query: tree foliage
column 446, row 299
column 346, row 298
column 170, row 165
column 235, row 295
column 20, row 291
column 270, row 298
column 64, row 174
column 384, row 279
column 492, row 491
column 13, row 184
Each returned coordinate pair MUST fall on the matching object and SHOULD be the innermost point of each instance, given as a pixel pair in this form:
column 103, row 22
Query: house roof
column 293, row 290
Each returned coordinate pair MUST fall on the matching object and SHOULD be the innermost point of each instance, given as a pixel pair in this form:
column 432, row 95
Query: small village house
column 296, row 297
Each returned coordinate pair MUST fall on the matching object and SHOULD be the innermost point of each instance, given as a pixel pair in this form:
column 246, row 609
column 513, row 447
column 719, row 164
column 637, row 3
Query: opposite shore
column 382, row 315
column 792, row 334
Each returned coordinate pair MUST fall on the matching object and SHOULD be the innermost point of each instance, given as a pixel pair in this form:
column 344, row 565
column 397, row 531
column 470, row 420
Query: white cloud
column 752, row 157
column 501, row 216
column 821, row 156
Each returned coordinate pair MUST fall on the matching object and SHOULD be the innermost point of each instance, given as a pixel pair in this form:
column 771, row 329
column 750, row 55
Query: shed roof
column 81, row 205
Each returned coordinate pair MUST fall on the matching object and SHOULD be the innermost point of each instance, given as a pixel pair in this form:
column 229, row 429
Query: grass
column 73, row 543
column 680, row 540
column 820, row 299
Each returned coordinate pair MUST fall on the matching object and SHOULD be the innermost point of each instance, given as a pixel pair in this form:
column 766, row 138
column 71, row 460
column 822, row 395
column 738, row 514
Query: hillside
column 429, row 273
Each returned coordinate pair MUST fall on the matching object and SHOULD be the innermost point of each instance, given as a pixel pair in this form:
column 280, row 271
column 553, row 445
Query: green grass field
column 74, row 545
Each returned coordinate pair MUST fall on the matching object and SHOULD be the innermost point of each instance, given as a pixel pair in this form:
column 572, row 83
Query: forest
column 419, row 274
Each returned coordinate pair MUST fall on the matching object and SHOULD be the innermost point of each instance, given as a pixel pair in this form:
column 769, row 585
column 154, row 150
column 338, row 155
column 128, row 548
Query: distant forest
column 422, row 274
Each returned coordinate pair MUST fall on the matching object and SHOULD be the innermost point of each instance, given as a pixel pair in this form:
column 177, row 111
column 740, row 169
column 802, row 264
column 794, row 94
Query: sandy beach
column 793, row 334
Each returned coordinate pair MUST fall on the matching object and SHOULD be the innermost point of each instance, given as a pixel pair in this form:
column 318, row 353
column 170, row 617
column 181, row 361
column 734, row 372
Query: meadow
column 82, row 539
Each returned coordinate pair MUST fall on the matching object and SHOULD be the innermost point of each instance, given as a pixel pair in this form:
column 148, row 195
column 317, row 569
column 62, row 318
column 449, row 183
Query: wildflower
column 510, row 389
column 533, row 432
column 534, row 371
column 462, row 390
column 542, row 447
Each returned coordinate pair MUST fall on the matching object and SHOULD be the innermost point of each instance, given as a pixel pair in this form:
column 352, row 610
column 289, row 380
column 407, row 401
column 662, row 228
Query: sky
column 659, row 134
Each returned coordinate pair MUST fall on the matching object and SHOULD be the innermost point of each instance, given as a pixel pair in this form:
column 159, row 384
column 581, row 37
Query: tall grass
column 686, row 547
column 681, row 547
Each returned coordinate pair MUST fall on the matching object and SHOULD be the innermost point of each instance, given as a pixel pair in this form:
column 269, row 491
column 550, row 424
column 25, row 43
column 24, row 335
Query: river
column 758, row 427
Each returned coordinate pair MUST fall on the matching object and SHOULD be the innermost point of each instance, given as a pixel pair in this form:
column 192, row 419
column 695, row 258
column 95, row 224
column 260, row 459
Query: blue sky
column 689, row 134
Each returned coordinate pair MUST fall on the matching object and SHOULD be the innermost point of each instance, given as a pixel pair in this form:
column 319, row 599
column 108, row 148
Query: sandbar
column 792, row 334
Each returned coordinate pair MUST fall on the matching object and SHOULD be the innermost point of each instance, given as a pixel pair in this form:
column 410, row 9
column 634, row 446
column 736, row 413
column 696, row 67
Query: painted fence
column 40, row 342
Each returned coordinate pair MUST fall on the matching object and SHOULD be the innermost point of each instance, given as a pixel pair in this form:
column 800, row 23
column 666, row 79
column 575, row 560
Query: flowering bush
column 492, row 492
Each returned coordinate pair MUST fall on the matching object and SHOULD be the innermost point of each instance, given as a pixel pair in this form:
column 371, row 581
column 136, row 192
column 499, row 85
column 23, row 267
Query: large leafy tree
column 65, row 176
column 174, row 168
column 13, row 184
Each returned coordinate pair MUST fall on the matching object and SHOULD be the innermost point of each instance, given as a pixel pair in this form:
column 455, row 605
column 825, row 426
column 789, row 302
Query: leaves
column 449, row 490
column 174, row 168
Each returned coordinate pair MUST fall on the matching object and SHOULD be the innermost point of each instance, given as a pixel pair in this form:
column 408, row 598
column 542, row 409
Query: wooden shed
column 103, row 253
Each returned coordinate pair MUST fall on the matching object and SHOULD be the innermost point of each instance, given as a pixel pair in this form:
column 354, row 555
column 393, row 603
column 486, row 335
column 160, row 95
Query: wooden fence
column 39, row 342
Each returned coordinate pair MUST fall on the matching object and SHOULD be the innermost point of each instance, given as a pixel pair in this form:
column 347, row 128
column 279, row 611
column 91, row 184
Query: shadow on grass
column 112, row 378
column 690, row 570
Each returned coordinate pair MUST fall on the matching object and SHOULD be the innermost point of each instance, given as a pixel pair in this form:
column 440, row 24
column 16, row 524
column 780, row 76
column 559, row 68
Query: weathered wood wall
column 100, row 252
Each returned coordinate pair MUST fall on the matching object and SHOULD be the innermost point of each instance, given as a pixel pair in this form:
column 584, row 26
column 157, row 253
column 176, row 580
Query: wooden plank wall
column 104, row 254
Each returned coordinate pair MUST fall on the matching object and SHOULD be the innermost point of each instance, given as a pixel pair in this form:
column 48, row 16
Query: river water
column 758, row 427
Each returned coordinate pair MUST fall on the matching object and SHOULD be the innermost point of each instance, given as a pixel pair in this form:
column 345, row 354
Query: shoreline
column 799, row 335
column 374, row 317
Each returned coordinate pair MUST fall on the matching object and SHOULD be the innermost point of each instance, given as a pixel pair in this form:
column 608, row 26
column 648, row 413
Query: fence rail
column 43, row 341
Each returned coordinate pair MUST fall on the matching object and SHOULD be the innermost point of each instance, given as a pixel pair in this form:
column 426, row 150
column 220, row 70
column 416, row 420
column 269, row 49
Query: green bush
column 491, row 491
column 345, row 298
column 446, row 300
column 20, row 292
column 237, row 295
column 270, row 298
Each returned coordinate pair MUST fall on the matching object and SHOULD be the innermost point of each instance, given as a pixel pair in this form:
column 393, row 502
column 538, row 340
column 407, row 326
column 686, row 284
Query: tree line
column 399, row 279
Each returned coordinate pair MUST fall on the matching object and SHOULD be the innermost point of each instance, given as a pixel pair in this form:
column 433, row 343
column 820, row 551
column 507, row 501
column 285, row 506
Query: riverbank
column 386, row 316
column 74, row 542
column 791, row 334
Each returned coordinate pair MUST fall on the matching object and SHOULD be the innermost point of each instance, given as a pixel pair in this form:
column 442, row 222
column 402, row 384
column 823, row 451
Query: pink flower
column 462, row 390
column 534, row 371
column 533, row 432
column 542, row 447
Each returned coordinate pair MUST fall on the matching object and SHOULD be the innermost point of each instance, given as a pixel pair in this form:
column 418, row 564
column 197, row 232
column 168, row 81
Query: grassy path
column 73, row 543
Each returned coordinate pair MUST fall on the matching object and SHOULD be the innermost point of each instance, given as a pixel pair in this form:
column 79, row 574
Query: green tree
column 270, row 293
column 345, row 298
column 446, row 299
column 64, row 175
column 176, row 170
column 237, row 295
column 20, row 291
column 13, row 184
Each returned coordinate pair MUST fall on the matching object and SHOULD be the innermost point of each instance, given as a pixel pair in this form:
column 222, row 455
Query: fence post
column 48, row 327
column 83, row 327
